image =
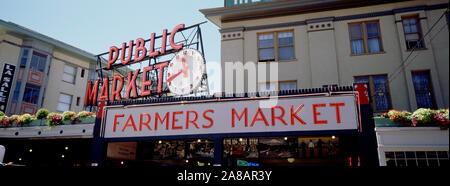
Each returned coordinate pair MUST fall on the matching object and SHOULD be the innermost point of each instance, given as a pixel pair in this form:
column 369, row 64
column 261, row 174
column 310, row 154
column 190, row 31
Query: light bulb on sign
column 185, row 72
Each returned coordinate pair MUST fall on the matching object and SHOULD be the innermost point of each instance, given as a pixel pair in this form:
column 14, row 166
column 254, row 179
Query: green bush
column 85, row 114
column 2, row 114
column 15, row 117
column 42, row 113
column 423, row 116
column 25, row 119
column 69, row 115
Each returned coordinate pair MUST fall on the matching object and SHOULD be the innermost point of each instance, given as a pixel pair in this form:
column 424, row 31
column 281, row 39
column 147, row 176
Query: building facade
column 399, row 48
column 412, row 147
column 49, row 73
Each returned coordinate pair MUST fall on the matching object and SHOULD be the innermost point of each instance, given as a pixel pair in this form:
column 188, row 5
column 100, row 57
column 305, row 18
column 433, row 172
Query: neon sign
column 187, row 62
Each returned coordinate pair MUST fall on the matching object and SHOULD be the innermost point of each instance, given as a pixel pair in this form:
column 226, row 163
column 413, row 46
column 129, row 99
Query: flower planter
column 38, row 122
column 67, row 122
column 386, row 122
column 87, row 120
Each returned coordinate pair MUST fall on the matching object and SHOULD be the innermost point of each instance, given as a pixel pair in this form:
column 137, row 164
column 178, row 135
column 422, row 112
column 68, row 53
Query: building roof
column 282, row 8
column 21, row 31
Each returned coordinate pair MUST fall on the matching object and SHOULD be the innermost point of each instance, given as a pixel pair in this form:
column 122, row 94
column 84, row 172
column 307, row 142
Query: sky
column 96, row 25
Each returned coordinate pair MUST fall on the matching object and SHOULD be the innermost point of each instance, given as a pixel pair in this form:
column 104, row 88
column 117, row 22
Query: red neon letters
column 204, row 119
column 140, row 52
column 171, row 120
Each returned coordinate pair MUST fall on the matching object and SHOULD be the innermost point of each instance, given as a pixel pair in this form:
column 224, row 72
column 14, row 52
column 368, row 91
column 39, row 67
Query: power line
column 432, row 38
column 404, row 62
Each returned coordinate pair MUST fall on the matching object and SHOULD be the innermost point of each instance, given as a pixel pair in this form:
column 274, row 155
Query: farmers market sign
column 290, row 114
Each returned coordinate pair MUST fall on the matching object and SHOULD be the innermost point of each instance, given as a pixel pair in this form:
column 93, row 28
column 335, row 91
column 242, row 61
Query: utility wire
column 432, row 38
column 404, row 62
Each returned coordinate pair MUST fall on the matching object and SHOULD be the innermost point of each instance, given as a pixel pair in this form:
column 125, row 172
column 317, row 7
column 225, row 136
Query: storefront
column 61, row 152
column 43, row 146
column 299, row 130
column 157, row 115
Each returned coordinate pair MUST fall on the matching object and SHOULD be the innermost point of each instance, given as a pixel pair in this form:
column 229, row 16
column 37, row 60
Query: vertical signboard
column 5, row 85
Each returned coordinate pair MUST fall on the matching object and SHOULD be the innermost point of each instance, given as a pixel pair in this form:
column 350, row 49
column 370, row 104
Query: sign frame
column 227, row 134
column 4, row 99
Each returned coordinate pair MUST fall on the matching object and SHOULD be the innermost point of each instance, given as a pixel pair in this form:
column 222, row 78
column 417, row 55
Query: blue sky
column 94, row 26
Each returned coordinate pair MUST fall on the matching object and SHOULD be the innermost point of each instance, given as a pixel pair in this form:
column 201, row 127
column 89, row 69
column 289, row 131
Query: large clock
column 185, row 72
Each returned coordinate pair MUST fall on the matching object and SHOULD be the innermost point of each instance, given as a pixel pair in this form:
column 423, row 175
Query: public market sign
column 184, row 71
column 290, row 114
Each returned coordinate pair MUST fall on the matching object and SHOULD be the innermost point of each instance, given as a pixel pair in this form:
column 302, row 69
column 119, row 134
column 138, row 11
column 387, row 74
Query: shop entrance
column 301, row 131
column 287, row 151
column 183, row 152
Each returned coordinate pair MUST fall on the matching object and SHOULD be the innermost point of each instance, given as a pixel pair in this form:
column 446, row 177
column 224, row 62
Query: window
column 417, row 159
column 423, row 90
column 82, row 73
column 69, row 74
column 23, row 60
column 284, row 85
column 413, row 33
column 291, row 151
column 285, row 46
column 276, row 46
column 17, row 91
column 365, row 37
column 379, row 91
column 78, row 101
column 266, row 49
column 64, row 102
column 38, row 62
column 263, row 87
column 288, row 85
column 31, row 93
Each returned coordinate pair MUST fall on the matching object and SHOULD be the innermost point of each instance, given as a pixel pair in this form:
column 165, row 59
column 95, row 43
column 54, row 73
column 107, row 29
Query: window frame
column 430, row 85
column 365, row 37
column 395, row 158
column 276, row 46
column 419, row 31
column 40, row 58
column 372, row 91
column 33, row 88
column 59, row 102
column 278, row 83
column 24, row 58
column 74, row 75
column 287, row 81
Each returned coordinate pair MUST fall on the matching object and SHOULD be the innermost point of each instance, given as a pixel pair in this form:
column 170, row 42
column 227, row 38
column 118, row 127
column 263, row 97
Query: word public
column 126, row 54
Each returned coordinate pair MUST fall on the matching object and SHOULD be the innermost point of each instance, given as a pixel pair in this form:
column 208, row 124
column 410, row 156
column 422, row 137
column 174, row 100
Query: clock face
column 185, row 71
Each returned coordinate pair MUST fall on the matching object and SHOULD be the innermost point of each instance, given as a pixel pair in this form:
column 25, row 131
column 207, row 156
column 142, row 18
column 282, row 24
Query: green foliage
column 42, row 113
column 420, row 117
column 25, row 119
column 69, row 115
column 53, row 119
column 84, row 114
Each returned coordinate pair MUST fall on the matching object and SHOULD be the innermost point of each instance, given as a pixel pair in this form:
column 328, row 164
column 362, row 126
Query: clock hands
column 184, row 70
